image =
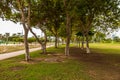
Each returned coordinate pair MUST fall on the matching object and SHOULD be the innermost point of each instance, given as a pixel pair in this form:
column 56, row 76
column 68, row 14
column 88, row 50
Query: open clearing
column 99, row 65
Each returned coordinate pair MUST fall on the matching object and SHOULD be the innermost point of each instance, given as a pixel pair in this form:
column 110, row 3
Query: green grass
column 44, row 71
column 13, row 69
column 96, row 66
column 110, row 48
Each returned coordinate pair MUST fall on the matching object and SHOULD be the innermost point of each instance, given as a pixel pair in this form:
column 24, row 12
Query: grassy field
column 111, row 48
column 55, row 66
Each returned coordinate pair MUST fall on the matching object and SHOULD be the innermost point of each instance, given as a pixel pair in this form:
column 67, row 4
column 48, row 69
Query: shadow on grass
column 101, row 66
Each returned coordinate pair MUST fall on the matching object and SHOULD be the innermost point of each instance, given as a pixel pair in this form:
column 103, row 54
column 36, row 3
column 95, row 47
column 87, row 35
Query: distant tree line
column 15, row 38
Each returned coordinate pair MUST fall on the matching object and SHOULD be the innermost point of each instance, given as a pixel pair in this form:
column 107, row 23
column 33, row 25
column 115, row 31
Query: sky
column 117, row 33
column 10, row 27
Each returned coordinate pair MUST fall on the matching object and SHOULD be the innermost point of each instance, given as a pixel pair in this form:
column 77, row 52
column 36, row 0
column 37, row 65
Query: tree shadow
column 105, row 65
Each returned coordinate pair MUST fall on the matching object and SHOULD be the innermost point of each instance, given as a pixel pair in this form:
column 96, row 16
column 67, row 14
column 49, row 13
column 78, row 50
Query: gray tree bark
column 27, row 55
column 87, row 45
column 68, row 31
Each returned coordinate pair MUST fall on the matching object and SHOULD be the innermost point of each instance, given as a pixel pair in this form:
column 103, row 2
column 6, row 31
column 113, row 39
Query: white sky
column 117, row 33
column 10, row 27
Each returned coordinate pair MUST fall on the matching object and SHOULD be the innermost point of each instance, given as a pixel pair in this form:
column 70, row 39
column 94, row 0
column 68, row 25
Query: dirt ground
column 100, row 66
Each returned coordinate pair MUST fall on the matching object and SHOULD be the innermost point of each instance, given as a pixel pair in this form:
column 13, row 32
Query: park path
column 16, row 53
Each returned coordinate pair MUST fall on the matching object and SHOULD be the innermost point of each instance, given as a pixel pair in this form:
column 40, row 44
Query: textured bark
column 23, row 18
column 87, row 45
column 44, row 48
column 56, row 42
column 62, row 41
column 45, row 36
column 68, row 29
column 82, row 42
column 27, row 55
column 79, row 44
column 43, row 45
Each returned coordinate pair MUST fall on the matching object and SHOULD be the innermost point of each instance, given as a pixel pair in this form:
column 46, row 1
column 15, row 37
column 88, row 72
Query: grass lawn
column 111, row 48
column 55, row 66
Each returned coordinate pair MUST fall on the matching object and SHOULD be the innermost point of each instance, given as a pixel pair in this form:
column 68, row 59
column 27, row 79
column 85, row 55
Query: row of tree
column 15, row 38
column 62, row 18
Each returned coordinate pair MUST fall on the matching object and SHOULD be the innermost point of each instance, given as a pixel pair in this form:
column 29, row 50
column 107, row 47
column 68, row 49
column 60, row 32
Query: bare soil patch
column 51, row 58
column 16, row 68
column 100, row 66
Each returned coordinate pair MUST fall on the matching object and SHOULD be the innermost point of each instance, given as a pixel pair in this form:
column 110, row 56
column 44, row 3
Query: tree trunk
column 56, row 42
column 68, row 29
column 44, row 48
column 27, row 55
column 82, row 42
column 79, row 43
column 23, row 18
column 62, row 41
column 43, row 45
column 87, row 45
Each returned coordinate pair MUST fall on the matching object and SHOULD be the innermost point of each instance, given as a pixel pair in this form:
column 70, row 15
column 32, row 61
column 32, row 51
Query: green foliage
column 31, row 39
column 62, row 31
column 17, row 39
column 5, row 10
column 116, row 39
column 90, row 33
column 79, row 34
column 100, row 37
column 109, row 40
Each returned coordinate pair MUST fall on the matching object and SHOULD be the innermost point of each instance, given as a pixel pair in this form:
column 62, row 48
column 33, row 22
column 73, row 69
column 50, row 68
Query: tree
column 42, row 43
column 0, row 36
column 62, row 33
column 99, row 36
column 19, row 11
column 5, row 10
column 53, row 12
column 116, row 39
column 7, row 35
column 38, row 21
column 88, row 10
column 79, row 34
column 69, row 7
column 22, row 7
column 31, row 39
